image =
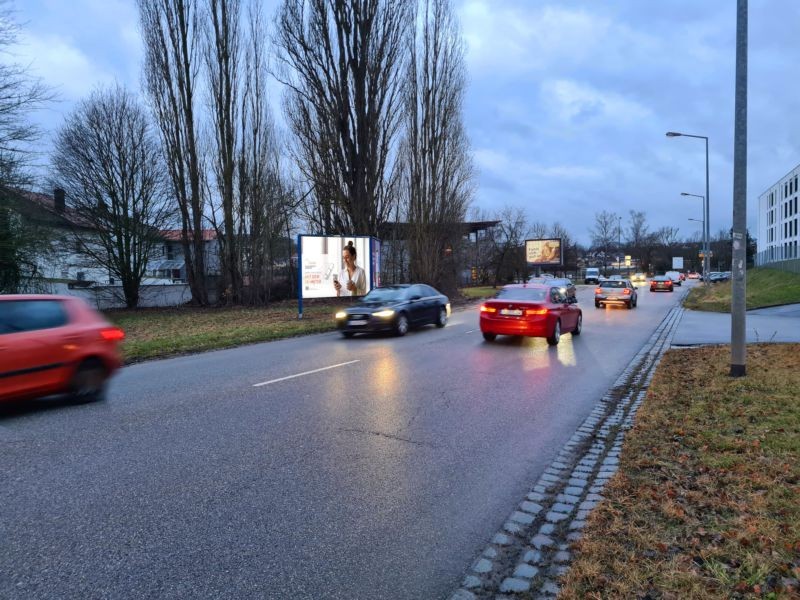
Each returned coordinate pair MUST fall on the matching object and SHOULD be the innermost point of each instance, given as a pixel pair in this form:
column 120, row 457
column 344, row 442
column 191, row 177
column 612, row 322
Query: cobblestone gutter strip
column 525, row 558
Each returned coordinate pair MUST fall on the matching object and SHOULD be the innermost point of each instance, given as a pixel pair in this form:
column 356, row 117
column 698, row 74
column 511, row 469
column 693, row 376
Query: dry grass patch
column 706, row 502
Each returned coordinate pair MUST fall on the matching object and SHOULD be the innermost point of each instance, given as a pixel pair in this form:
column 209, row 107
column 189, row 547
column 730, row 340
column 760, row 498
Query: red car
column 531, row 310
column 661, row 282
column 53, row 345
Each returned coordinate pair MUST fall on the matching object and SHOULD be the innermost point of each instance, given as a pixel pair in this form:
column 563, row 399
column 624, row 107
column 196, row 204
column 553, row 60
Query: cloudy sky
column 568, row 103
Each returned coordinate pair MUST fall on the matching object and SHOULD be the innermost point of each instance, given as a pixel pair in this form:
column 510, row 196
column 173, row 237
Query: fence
column 784, row 259
column 111, row 296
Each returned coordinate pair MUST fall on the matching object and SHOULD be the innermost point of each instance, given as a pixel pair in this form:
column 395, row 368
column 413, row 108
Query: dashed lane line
column 344, row 364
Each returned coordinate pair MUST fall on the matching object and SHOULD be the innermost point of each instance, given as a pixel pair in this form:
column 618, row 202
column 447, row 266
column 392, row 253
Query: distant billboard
column 677, row 263
column 322, row 266
column 544, row 252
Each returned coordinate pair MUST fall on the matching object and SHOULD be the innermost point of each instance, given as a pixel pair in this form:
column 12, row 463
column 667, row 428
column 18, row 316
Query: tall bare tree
column 506, row 245
column 604, row 234
column 437, row 165
column 266, row 203
column 223, row 57
column 109, row 162
column 172, row 33
column 343, row 63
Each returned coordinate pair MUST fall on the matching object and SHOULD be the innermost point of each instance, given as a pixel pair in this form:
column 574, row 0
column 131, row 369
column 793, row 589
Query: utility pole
column 739, row 253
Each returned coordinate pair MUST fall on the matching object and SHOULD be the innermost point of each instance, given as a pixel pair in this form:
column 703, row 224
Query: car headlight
column 341, row 315
column 384, row 314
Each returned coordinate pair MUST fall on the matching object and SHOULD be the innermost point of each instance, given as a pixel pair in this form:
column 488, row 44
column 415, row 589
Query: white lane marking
column 470, row 331
column 305, row 373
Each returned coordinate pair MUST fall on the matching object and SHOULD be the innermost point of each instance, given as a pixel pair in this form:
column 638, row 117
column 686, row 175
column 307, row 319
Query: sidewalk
column 776, row 324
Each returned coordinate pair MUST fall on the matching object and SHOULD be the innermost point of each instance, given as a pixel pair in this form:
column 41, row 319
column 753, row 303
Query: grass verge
column 157, row 333
column 705, row 503
column 765, row 287
column 477, row 293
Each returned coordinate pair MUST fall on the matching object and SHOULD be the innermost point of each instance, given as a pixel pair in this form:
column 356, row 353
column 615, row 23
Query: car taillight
column 598, row 290
column 626, row 292
column 535, row 311
column 488, row 309
column 669, row 282
column 112, row 334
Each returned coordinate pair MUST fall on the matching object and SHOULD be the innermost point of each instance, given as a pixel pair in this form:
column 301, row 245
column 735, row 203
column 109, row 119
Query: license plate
column 511, row 312
column 358, row 322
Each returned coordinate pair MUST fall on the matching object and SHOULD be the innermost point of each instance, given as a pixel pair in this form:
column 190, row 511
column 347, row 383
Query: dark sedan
column 661, row 283
column 395, row 308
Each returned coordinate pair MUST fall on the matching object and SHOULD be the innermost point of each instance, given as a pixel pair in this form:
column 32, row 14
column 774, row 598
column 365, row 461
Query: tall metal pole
column 706, row 229
column 739, row 284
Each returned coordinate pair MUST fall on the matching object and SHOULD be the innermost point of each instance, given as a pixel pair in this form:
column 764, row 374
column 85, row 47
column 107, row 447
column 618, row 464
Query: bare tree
column 266, row 203
column 506, row 246
column 109, row 161
column 172, row 31
column 437, row 166
column 639, row 238
column 569, row 248
column 604, row 234
column 343, row 63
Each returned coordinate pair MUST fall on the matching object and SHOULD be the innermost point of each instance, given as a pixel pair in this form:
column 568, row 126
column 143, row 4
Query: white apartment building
column 778, row 216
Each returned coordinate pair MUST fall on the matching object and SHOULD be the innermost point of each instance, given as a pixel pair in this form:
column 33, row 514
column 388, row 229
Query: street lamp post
column 706, row 242
column 619, row 244
column 702, row 227
column 706, row 257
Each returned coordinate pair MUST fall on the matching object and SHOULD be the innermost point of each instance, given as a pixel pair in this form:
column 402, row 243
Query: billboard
column 544, row 252
column 677, row 263
column 322, row 266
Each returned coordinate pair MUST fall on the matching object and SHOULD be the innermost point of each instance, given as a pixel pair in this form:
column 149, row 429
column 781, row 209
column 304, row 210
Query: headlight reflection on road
column 566, row 353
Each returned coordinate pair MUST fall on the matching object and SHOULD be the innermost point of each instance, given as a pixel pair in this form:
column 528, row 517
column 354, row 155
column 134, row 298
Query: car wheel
column 489, row 337
column 401, row 326
column 596, row 304
column 556, row 337
column 629, row 305
column 578, row 326
column 441, row 320
column 347, row 334
column 88, row 384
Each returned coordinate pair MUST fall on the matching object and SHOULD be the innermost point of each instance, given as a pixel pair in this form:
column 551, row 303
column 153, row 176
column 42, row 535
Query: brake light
column 626, row 292
column 536, row 311
column 488, row 309
column 669, row 282
column 112, row 334
column 598, row 290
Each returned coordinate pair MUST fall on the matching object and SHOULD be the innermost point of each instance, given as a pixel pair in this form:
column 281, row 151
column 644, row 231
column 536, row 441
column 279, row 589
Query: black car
column 567, row 287
column 395, row 308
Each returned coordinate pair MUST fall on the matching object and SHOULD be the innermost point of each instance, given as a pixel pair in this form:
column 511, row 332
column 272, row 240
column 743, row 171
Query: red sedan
column 531, row 310
column 661, row 282
column 53, row 345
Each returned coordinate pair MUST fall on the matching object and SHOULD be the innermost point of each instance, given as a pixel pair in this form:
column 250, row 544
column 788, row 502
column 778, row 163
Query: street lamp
column 706, row 243
column 706, row 257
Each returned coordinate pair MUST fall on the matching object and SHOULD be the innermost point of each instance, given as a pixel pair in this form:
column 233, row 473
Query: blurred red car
column 531, row 310
column 53, row 345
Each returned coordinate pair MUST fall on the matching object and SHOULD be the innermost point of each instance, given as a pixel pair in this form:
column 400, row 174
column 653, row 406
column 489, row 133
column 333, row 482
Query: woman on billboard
column 354, row 276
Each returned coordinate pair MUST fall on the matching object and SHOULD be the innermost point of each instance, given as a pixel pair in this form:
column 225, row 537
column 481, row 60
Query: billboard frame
column 560, row 262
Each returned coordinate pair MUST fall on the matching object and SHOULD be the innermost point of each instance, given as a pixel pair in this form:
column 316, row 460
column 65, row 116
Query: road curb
column 533, row 549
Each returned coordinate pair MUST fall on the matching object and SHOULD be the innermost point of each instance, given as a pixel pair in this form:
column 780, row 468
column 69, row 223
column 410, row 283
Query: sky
column 568, row 100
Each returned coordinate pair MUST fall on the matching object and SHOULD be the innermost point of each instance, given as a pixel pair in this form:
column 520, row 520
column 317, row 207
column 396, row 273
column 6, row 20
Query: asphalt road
column 381, row 478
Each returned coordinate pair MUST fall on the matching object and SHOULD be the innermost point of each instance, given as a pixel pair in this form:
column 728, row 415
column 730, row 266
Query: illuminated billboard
column 544, row 253
column 325, row 271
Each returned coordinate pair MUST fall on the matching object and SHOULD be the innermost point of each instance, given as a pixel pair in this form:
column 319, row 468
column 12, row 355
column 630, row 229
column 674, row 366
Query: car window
column 30, row 315
column 557, row 297
column 526, row 294
column 429, row 291
column 386, row 294
column 616, row 283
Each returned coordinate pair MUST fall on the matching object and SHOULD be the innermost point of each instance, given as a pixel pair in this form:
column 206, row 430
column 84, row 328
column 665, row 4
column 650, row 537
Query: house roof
column 174, row 235
column 69, row 216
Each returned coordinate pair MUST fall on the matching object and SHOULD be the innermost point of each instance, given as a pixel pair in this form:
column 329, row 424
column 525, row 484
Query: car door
column 559, row 306
column 416, row 305
column 33, row 340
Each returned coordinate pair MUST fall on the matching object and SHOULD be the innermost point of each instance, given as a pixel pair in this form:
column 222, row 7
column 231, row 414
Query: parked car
column 639, row 278
column 55, row 345
column 394, row 308
column 661, row 283
column 592, row 275
column 536, row 310
column 566, row 284
column 615, row 291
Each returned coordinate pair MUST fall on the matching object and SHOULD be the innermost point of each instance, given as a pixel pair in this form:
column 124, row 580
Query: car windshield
column 386, row 294
column 526, row 294
column 617, row 283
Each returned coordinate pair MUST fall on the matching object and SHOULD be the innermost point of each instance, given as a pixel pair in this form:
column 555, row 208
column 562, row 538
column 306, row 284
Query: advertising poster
column 322, row 266
column 544, row 252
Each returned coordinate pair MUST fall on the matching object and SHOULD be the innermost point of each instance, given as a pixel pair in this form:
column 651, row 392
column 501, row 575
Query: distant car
column 717, row 276
column 566, row 284
column 639, row 278
column 535, row 310
column 682, row 276
column 674, row 276
column 693, row 275
column 615, row 291
column 661, row 283
column 55, row 345
column 592, row 275
column 394, row 308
